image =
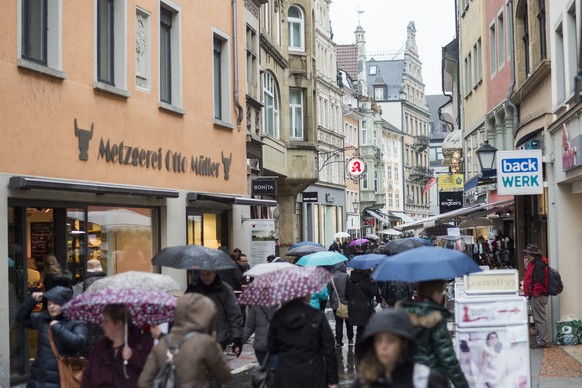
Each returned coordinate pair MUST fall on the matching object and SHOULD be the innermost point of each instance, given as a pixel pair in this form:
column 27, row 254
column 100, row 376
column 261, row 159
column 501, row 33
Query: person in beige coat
column 200, row 357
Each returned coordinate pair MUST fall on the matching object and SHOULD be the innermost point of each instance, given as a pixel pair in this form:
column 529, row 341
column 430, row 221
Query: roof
column 390, row 127
column 391, row 72
column 347, row 59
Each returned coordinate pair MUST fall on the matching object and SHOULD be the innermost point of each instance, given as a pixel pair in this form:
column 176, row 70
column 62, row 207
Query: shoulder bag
column 263, row 376
column 70, row 367
column 342, row 309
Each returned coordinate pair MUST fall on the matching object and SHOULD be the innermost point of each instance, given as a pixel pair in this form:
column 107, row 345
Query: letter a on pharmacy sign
column 519, row 172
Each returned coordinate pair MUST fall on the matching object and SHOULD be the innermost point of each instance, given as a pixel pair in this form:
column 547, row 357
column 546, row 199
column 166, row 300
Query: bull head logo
column 226, row 165
column 84, row 137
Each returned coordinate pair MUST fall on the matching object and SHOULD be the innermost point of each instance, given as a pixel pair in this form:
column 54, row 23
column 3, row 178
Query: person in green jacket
column 433, row 340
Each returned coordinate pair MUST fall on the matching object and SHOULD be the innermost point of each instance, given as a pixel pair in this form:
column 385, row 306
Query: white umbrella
column 372, row 236
column 390, row 232
column 263, row 268
column 341, row 235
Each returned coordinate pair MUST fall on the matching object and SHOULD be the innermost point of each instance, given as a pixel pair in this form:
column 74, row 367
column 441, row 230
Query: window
column 271, row 101
column 542, row 28
column 296, row 113
column 492, row 49
column 170, row 47
column 560, row 67
column 220, row 74
column 111, row 45
column 364, row 132
column 34, row 30
column 572, row 47
column 252, row 43
column 525, row 38
column 478, row 65
column 500, row 41
column 378, row 93
column 376, row 181
column 296, row 28
column 40, row 45
column 373, row 69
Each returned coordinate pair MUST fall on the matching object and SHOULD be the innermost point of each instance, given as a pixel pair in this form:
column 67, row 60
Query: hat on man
column 533, row 249
column 94, row 265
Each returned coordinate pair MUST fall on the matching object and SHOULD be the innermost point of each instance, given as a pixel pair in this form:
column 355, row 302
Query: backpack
column 555, row 285
column 166, row 377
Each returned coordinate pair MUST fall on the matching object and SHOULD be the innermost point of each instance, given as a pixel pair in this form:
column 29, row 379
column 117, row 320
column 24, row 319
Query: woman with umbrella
column 387, row 347
column 115, row 362
column 433, row 340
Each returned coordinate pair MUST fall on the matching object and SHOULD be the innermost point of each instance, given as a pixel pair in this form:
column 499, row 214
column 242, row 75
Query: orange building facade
column 122, row 133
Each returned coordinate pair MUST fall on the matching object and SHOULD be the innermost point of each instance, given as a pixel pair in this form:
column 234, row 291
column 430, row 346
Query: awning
column 404, row 217
column 229, row 199
column 33, row 183
column 377, row 216
column 478, row 209
column 471, row 183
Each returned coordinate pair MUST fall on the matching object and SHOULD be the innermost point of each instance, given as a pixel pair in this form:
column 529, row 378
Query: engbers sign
column 169, row 160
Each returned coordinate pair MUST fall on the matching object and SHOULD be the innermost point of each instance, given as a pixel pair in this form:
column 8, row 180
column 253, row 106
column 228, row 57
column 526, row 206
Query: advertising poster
column 491, row 312
column 496, row 356
column 262, row 240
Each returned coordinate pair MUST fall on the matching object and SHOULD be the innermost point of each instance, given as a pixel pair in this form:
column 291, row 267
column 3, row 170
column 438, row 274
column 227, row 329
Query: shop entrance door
column 35, row 232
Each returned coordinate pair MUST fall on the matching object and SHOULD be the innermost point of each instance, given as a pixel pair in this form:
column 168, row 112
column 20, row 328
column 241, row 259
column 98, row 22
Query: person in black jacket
column 69, row 336
column 301, row 337
column 360, row 293
column 229, row 320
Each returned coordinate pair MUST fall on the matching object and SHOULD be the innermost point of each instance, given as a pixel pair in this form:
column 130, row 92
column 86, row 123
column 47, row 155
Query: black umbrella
column 193, row 257
column 403, row 244
column 305, row 250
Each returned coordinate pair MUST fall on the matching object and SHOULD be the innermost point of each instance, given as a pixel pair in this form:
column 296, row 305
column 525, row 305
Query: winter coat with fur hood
column 200, row 355
column 434, row 346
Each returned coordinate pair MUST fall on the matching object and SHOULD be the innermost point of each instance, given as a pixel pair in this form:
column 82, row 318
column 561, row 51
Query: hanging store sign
column 264, row 187
column 356, row 168
column 450, row 182
column 519, row 172
column 450, row 200
column 310, row 196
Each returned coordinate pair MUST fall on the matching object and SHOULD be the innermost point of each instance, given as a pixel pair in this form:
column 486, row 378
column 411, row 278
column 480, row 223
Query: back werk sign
column 155, row 159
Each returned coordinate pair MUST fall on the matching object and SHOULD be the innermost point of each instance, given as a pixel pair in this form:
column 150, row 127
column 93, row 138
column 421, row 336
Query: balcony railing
column 420, row 143
column 420, row 174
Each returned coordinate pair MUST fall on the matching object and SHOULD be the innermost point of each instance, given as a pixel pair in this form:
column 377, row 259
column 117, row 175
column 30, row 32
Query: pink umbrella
column 359, row 241
column 143, row 306
column 284, row 285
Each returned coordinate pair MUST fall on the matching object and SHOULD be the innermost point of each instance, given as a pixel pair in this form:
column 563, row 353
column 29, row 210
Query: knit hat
column 94, row 265
column 59, row 295
column 533, row 249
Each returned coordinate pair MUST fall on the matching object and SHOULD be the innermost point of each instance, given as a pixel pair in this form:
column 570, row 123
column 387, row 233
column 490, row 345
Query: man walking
column 535, row 287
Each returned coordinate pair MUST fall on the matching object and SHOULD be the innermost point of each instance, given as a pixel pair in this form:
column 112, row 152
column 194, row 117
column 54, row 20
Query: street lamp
column 355, row 206
column 486, row 157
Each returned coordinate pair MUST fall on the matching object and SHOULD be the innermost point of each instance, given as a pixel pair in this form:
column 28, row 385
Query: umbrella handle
column 125, row 341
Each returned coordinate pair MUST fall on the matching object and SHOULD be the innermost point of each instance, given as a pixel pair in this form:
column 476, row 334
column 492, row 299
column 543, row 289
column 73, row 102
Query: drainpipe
column 512, row 84
column 239, row 107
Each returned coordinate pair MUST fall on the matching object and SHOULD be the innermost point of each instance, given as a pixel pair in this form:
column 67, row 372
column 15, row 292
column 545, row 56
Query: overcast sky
column 385, row 23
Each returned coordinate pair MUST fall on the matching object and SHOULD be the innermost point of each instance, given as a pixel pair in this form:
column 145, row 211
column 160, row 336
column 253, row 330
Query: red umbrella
column 284, row 285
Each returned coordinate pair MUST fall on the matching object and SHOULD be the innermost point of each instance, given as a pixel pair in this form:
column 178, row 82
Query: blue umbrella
column 302, row 243
column 322, row 259
column 367, row 261
column 425, row 263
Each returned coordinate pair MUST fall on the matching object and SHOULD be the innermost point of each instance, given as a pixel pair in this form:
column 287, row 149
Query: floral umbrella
column 284, row 285
column 143, row 306
column 136, row 279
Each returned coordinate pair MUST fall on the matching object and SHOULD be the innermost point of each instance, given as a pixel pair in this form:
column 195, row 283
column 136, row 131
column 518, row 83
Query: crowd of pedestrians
column 404, row 343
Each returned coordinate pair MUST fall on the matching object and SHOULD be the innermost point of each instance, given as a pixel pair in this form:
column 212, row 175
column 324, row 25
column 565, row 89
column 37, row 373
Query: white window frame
column 271, row 89
column 373, row 70
column 175, row 104
column 296, row 134
column 53, row 66
column 225, row 116
column 299, row 21
column 118, row 83
column 500, row 31
column 378, row 93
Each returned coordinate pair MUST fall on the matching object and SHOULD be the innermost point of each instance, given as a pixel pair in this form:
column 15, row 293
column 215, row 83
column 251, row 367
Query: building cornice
column 272, row 50
column 532, row 82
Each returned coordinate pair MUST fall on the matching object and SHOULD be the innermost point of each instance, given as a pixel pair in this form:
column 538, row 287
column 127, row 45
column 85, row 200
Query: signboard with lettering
column 450, row 200
column 356, row 168
column 492, row 282
column 519, row 172
column 264, row 187
column 450, row 182
column 310, row 196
